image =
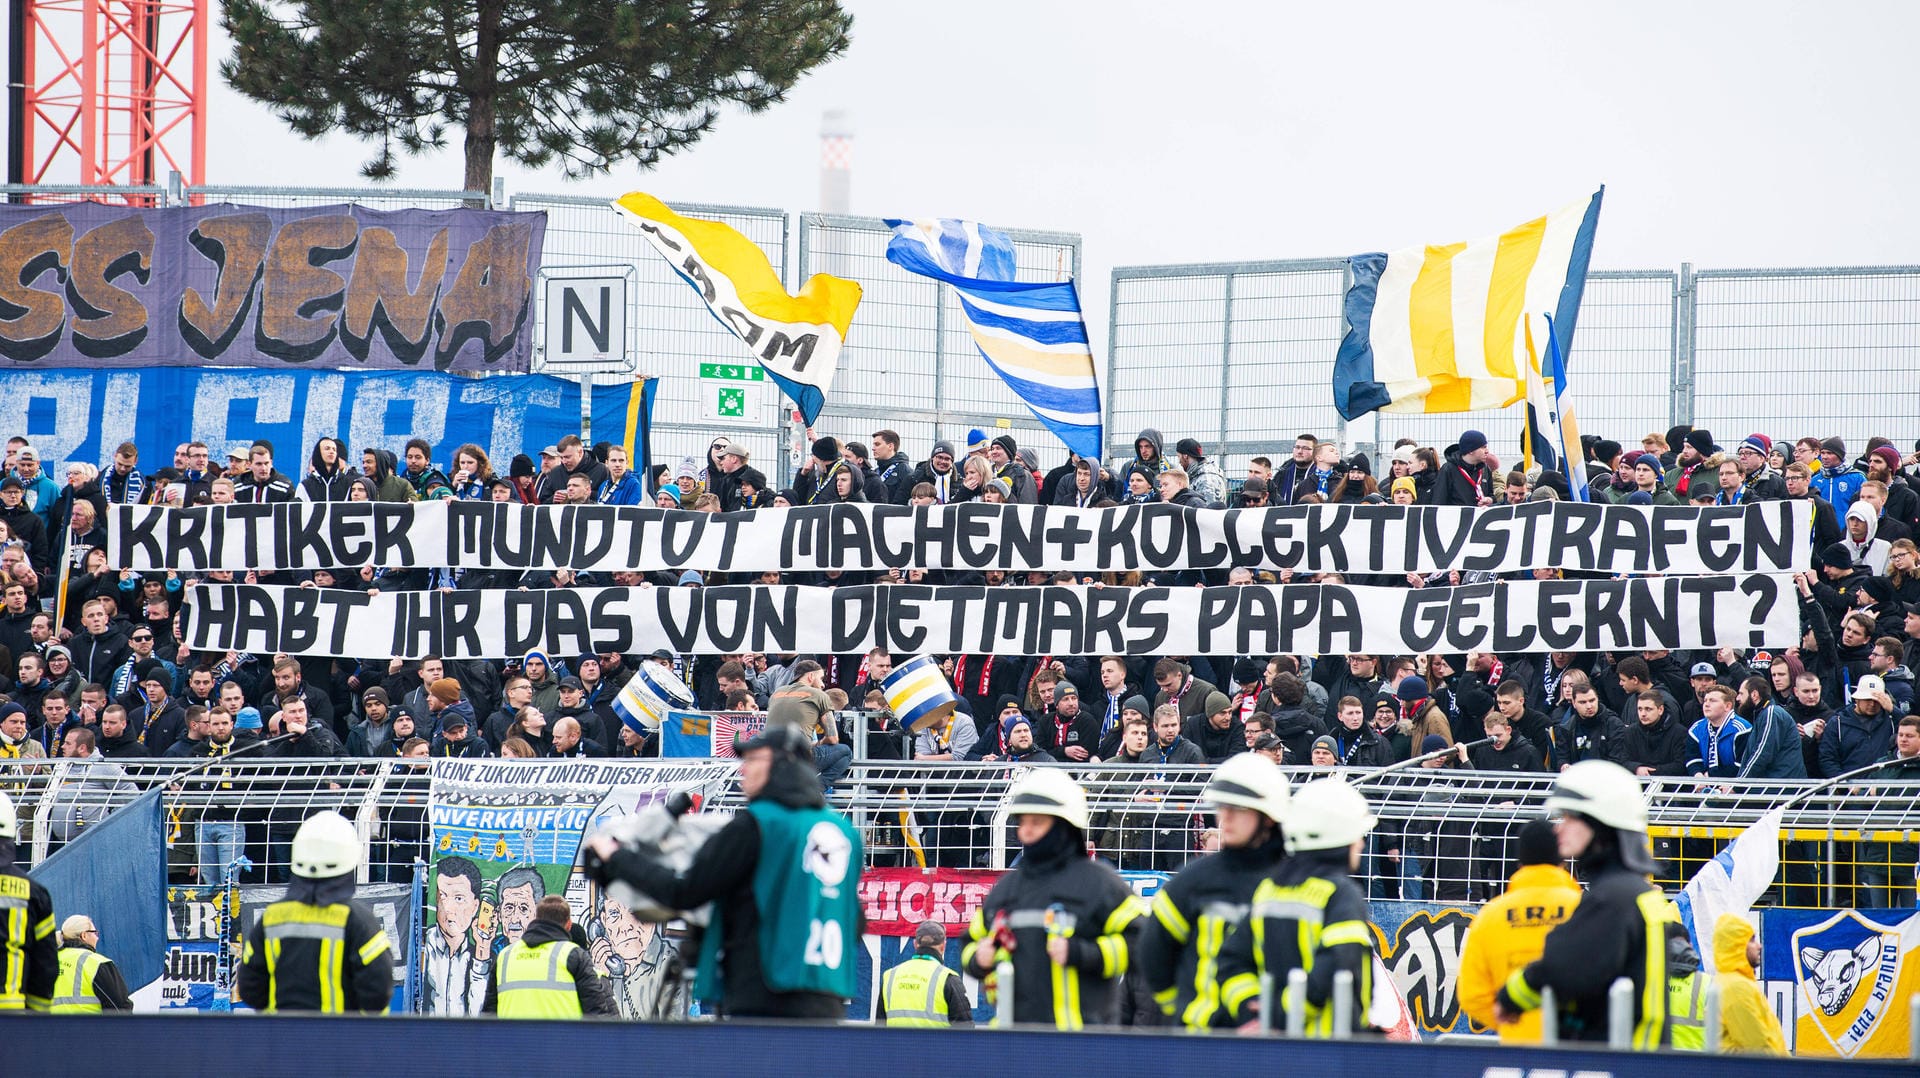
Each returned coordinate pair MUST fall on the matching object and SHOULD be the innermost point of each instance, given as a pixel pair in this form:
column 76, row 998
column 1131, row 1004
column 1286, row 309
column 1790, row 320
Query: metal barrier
column 910, row 363
column 1444, row 834
column 264, row 801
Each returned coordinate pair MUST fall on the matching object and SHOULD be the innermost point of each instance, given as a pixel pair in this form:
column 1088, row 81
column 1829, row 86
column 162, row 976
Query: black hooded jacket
column 1606, row 938
column 723, row 872
column 293, row 984
column 324, row 484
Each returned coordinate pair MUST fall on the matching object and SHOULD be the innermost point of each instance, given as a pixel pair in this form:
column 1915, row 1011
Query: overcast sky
column 1728, row 134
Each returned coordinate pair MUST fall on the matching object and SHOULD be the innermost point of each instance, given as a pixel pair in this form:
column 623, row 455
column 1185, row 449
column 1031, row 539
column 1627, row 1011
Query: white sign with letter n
column 584, row 319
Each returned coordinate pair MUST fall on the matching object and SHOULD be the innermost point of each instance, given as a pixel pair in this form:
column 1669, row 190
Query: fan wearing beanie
column 1466, row 476
column 444, row 702
column 1837, row 481
column 1696, row 464
column 814, row 485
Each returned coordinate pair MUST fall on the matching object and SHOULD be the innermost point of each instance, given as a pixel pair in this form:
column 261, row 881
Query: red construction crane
column 108, row 92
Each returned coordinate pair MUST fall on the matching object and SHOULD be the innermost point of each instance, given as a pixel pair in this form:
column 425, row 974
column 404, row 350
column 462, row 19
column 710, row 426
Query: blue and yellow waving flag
column 796, row 338
column 1444, row 329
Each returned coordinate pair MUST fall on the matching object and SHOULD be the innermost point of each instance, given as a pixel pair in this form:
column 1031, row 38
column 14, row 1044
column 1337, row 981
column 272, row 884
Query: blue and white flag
column 1032, row 334
column 1550, row 406
column 1731, row 883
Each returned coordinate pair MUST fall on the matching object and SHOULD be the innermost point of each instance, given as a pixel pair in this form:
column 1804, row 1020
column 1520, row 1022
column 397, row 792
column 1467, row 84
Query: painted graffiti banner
column 908, row 619
column 505, row 835
column 74, row 415
column 1420, row 943
column 91, row 285
column 192, row 978
column 1758, row 537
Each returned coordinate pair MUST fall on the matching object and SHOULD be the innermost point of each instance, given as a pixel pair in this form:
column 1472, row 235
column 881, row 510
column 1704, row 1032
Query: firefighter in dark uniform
column 29, row 954
column 1197, row 910
column 317, row 949
column 1064, row 920
column 1309, row 915
column 921, row 992
column 1619, row 928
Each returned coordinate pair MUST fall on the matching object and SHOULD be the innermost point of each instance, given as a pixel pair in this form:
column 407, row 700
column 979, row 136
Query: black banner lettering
column 1520, row 615
column 1759, row 537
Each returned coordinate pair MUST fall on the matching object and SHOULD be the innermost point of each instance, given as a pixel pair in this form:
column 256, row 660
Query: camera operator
column 784, row 878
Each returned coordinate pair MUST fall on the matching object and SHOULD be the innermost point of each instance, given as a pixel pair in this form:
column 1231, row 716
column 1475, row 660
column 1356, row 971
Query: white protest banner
column 1671, row 612
column 1758, row 537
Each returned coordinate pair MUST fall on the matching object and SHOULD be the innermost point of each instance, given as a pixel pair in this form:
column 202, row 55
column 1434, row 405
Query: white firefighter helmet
column 9, row 823
column 1251, row 781
column 325, row 846
column 1046, row 791
column 1327, row 814
column 1602, row 791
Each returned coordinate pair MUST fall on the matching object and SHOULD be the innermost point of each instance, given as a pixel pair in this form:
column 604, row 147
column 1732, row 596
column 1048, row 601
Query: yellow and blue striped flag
column 1443, row 329
column 1032, row 335
column 796, row 337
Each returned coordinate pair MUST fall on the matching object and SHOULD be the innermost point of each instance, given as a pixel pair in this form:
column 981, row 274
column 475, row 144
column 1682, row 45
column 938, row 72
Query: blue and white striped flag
column 1032, row 335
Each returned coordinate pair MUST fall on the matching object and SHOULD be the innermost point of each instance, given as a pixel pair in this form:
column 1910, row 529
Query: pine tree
column 587, row 83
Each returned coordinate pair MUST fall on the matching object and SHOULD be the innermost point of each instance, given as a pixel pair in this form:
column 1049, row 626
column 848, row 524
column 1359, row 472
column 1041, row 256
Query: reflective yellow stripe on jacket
column 1304, row 905
column 328, row 925
column 534, row 982
column 16, row 938
column 1650, row 1031
column 915, row 992
column 73, row 992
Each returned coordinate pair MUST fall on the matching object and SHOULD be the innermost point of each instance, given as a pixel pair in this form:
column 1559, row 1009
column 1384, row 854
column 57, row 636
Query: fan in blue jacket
column 1721, row 738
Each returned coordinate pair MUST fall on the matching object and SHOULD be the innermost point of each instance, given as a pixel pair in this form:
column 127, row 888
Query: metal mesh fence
column 48, row 193
column 668, row 328
column 1236, row 356
column 1240, row 356
column 373, row 197
column 1807, row 351
column 910, row 365
column 1443, row 834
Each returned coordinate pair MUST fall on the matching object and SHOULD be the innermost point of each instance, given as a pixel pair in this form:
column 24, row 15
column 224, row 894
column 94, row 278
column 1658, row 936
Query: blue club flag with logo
column 1443, row 328
column 1031, row 334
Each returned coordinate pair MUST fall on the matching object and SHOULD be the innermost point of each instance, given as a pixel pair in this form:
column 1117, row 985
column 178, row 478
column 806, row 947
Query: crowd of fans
column 92, row 664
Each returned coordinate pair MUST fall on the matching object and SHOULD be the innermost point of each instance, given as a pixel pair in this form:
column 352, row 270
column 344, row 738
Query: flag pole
column 1575, row 455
